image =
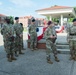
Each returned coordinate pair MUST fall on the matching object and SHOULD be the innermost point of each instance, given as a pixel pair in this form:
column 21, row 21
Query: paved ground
column 34, row 63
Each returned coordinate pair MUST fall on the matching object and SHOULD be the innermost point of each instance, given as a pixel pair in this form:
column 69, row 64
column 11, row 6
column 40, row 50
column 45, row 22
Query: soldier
column 18, row 31
column 50, row 36
column 54, row 33
column 8, row 37
column 33, row 35
column 72, row 40
column 22, row 37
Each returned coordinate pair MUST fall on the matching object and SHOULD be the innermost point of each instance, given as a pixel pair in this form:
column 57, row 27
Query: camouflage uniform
column 50, row 43
column 2, row 29
column 22, row 36
column 8, row 38
column 72, row 41
column 18, row 44
column 33, row 36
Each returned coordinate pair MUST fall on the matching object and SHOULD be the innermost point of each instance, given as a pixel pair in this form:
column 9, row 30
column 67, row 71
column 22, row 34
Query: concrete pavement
column 34, row 63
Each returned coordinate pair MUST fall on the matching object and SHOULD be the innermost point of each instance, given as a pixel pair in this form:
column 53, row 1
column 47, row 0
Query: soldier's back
column 72, row 32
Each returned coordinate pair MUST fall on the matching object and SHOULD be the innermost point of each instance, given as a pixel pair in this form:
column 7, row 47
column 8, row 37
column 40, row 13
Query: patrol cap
column 49, row 22
column 16, row 18
column 21, row 24
column 33, row 20
column 74, row 19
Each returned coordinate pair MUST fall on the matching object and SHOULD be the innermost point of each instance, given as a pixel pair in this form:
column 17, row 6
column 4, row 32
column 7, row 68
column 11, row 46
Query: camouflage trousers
column 33, row 41
column 9, row 46
column 18, row 43
column 72, row 45
column 51, row 47
column 22, row 43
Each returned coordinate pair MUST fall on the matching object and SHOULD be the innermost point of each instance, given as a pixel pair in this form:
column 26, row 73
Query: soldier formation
column 13, row 39
column 51, row 36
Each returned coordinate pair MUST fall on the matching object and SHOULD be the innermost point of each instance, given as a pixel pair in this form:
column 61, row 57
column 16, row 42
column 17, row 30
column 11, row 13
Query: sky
column 29, row 7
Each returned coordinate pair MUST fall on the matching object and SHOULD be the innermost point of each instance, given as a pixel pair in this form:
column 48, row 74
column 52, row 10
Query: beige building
column 26, row 20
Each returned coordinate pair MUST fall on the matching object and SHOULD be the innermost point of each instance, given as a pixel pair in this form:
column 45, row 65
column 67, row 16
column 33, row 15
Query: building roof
column 26, row 17
column 54, row 8
column 29, row 17
column 2, row 15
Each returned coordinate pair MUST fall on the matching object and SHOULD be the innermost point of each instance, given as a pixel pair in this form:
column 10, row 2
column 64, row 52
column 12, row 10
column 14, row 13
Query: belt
column 72, row 34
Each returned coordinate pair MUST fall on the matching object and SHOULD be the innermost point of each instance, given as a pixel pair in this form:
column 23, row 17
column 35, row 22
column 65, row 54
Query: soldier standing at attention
column 8, row 37
column 33, row 35
column 22, row 37
column 72, row 40
column 50, row 45
column 18, row 31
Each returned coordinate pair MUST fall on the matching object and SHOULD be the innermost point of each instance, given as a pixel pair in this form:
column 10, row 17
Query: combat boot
column 16, row 54
column 49, row 60
column 72, row 57
column 35, row 48
column 32, row 49
column 56, row 58
column 20, row 52
column 9, row 58
column 12, row 57
column 75, row 57
column 23, row 49
column 58, row 52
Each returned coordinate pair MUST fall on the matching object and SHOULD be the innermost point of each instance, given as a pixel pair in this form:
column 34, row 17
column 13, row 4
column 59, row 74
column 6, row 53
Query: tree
column 11, row 19
column 75, row 11
column 48, row 18
column 70, row 19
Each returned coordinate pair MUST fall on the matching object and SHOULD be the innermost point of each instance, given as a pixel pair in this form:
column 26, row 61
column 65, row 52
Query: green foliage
column 48, row 18
column 11, row 19
column 55, row 20
column 75, row 11
column 70, row 19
